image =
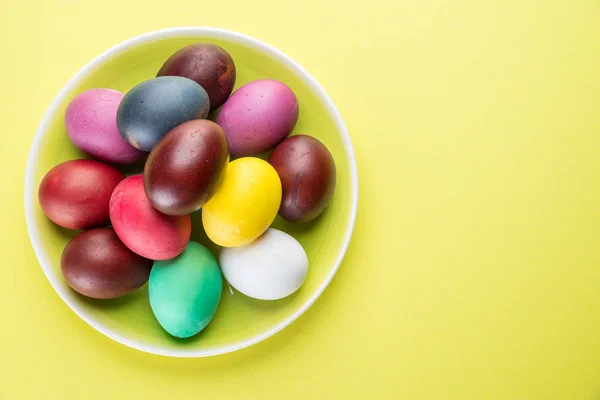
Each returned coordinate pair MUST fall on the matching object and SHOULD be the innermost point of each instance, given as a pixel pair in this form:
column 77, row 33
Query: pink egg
column 258, row 116
column 91, row 123
column 143, row 229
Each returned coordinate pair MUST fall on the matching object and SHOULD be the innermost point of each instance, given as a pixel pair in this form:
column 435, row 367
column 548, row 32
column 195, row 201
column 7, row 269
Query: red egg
column 307, row 172
column 143, row 229
column 75, row 194
column 97, row 264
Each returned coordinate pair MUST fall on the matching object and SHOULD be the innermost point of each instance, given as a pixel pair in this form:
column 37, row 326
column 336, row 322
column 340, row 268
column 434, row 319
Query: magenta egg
column 142, row 228
column 76, row 194
column 91, row 123
column 258, row 116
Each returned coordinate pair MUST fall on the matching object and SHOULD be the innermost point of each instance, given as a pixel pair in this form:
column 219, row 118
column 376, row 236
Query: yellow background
column 474, row 272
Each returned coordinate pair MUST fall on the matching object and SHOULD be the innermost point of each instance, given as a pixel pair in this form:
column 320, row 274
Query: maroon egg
column 143, row 229
column 307, row 173
column 97, row 264
column 186, row 167
column 75, row 194
column 207, row 64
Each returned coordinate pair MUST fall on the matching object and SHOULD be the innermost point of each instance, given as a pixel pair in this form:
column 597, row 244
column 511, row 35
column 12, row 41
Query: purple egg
column 91, row 123
column 258, row 116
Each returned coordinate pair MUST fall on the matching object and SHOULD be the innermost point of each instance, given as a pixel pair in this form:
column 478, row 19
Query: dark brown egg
column 97, row 264
column 75, row 194
column 209, row 65
column 186, row 167
column 307, row 173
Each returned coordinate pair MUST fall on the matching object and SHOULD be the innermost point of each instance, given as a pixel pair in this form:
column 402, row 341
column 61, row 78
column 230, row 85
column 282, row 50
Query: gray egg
column 154, row 107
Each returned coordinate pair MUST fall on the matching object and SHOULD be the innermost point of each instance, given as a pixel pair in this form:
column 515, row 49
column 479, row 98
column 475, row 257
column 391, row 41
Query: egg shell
column 143, row 229
column 186, row 167
column 308, row 176
column 270, row 268
column 97, row 264
column 258, row 116
column 154, row 107
column 185, row 291
column 91, row 123
column 207, row 64
column 245, row 205
column 75, row 194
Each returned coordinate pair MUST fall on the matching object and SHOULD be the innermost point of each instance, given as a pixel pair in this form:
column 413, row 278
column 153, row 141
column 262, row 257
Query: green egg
column 185, row 291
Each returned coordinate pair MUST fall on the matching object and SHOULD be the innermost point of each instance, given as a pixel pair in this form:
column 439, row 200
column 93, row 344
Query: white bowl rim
column 30, row 190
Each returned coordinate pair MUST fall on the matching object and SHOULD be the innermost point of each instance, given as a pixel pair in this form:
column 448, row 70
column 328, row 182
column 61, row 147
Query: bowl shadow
column 137, row 296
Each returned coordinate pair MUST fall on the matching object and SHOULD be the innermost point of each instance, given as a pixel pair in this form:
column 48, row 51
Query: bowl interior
column 239, row 320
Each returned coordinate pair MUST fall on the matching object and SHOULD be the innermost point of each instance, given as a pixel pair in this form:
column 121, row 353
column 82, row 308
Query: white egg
column 269, row 268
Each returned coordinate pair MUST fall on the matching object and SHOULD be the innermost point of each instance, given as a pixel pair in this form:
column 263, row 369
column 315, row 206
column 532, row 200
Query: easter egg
column 258, row 116
column 186, row 167
column 270, row 268
column 185, row 291
column 307, row 172
column 75, row 194
column 245, row 204
column 154, row 107
column 143, row 229
column 91, row 123
column 97, row 264
column 207, row 64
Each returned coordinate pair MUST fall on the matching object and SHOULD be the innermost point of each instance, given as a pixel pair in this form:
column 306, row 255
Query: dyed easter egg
column 91, row 123
column 307, row 172
column 185, row 291
column 258, row 116
column 75, row 194
column 269, row 268
column 97, row 264
column 245, row 204
column 207, row 64
column 154, row 107
column 143, row 229
column 186, row 167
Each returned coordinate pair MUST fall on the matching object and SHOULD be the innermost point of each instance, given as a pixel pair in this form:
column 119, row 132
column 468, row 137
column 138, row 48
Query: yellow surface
column 474, row 272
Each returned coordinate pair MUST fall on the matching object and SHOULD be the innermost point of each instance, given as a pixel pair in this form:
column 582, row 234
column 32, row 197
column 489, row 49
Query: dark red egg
column 207, row 64
column 186, row 167
column 97, row 264
column 75, row 194
column 143, row 229
column 307, row 172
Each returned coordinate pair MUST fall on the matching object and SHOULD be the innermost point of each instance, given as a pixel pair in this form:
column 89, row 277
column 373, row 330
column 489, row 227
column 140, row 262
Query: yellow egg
column 245, row 205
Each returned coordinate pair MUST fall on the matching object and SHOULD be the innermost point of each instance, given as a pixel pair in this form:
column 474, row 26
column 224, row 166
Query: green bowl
column 240, row 321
